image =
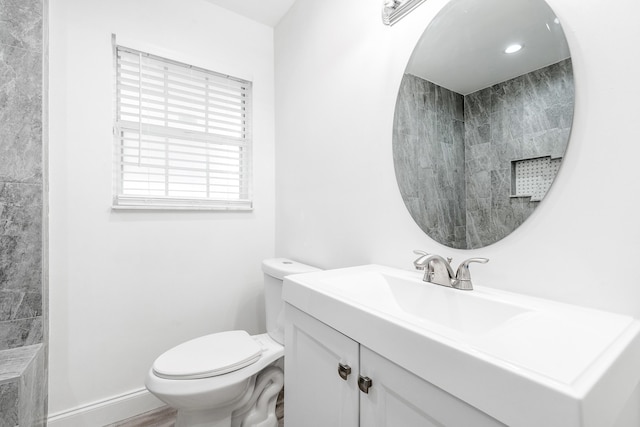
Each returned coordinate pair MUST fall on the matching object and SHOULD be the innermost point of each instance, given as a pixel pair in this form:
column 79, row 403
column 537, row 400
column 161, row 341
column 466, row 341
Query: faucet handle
column 463, row 275
column 418, row 262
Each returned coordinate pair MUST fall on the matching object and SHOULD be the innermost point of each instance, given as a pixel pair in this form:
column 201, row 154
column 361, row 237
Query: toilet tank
column 275, row 269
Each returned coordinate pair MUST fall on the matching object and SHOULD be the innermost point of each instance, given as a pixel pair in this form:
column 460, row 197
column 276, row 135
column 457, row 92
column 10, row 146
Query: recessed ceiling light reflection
column 516, row 47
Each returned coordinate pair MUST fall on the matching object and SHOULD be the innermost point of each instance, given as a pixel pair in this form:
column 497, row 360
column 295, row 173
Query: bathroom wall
column 338, row 70
column 128, row 285
column 22, row 228
column 429, row 149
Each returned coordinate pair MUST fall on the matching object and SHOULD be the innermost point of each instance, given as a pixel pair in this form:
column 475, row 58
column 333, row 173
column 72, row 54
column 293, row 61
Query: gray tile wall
column 20, row 173
column 429, row 158
column 526, row 117
column 22, row 45
column 453, row 154
column 22, row 390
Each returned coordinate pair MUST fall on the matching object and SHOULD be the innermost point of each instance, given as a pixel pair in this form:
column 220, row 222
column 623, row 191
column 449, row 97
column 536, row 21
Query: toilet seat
column 208, row 356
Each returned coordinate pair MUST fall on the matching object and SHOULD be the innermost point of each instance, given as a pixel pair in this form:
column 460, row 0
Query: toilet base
column 260, row 409
column 256, row 408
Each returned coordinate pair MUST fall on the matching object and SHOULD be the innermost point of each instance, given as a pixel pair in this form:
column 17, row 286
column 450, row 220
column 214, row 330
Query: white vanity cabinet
column 399, row 398
column 315, row 394
column 321, row 391
column 440, row 356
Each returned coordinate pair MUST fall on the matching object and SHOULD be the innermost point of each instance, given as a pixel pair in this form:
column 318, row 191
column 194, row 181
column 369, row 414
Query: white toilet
column 229, row 379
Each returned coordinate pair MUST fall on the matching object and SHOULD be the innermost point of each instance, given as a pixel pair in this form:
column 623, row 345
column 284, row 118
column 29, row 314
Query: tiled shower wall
column 429, row 158
column 453, row 153
column 522, row 118
column 22, row 44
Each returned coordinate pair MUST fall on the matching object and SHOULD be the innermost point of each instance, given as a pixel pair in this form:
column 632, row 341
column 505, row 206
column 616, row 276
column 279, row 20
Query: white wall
column 338, row 70
column 126, row 286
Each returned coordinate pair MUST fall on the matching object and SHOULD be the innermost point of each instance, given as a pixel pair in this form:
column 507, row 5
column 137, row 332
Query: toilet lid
column 208, row 356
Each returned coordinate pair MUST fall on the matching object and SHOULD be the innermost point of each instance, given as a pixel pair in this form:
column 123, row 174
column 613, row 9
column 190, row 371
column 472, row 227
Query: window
column 182, row 135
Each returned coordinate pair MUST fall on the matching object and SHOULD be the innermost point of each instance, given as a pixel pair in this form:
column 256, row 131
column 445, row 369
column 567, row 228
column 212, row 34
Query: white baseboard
column 107, row 411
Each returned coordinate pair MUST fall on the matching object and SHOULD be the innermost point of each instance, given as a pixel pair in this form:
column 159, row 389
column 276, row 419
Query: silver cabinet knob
column 344, row 371
column 364, row 384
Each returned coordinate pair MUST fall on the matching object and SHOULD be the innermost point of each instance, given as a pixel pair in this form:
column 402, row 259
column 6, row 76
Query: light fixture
column 513, row 48
column 394, row 10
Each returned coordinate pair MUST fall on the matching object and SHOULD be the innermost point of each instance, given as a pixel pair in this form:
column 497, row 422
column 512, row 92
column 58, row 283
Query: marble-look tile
column 507, row 110
column 444, row 128
column 404, row 162
column 480, row 134
column 402, row 118
column 537, row 118
column 478, row 222
column 505, row 152
column 19, row 305
column 551, row 142
column 478, row 158
column 20, row 263
column 21, row 24
column 23, row 369
column 500, row 187
column 550, row 85
column 20, row 237
column 479, row 185
column 13, row 362
column 477, row 107
column 20, row 332
column 416, row 93
column 529, row 116
column 32, row 392
column 429, row 150
column 507, row 124
column 507, row 96
column 448, row 103
column 9, row 404
column 428, row 94
column 20, row 115
column 426, row 142
column 21, row 177
column 549, row 95
column 504, row 218
column 9, row 303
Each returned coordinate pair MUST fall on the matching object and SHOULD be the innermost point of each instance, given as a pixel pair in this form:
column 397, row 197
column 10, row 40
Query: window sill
column 135, row 204
column 182, row 208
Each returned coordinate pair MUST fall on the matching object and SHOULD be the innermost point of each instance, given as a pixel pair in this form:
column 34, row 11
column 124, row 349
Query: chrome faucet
column 419, row 263
column 463, row 275
column 438, row 270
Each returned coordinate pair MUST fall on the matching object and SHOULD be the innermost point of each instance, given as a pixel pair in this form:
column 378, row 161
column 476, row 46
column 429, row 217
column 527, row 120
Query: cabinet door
column 315, row 393
column 399, row 398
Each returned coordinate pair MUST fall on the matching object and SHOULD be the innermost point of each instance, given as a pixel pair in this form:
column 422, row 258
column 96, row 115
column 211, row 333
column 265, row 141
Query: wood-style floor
column 162, row 417
column 166, row 417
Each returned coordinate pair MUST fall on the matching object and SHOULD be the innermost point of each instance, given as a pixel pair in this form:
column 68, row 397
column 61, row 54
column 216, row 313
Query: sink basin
column 408, row 299
column 496, row 350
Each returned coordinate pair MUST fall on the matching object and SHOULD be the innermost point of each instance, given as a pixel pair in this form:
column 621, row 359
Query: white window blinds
column 182, row 135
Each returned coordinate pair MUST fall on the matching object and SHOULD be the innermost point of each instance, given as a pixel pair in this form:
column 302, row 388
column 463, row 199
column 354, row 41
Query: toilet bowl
column 229, row 379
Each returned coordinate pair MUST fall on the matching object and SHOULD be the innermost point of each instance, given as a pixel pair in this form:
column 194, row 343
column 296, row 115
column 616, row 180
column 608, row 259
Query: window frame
column 240, row 200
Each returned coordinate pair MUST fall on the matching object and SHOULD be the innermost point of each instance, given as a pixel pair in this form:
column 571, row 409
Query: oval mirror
column 482, row 119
